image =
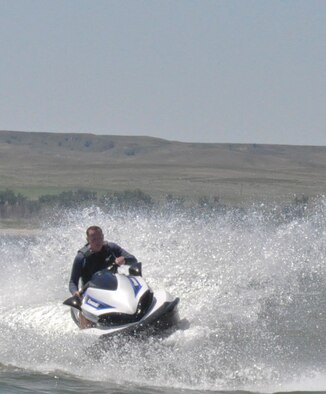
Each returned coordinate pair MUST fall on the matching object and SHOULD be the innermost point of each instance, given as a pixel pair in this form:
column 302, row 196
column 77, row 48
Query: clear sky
column 189, row 70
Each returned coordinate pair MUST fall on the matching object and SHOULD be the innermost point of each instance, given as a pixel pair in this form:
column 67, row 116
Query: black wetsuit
column 86, row 262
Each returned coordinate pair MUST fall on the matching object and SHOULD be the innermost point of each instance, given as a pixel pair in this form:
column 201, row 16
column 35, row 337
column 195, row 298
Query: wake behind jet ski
column 116, row 303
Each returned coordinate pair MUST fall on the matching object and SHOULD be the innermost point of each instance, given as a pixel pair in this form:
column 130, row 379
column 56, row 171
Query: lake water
column 251, row 284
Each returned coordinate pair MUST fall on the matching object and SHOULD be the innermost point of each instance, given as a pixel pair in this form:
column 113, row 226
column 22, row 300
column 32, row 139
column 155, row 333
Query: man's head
column 95, row 238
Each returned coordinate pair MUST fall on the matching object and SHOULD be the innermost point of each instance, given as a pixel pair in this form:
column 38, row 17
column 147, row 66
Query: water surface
column 251, row 284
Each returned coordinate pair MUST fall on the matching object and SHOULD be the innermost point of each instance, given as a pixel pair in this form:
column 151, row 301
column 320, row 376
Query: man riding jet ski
column 110, row 302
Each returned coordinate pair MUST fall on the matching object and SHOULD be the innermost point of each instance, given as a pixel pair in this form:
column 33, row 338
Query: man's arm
column 118, row 251
column 76, row 273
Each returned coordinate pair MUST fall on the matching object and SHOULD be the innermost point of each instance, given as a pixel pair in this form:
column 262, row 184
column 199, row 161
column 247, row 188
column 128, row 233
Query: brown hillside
column 40, row 163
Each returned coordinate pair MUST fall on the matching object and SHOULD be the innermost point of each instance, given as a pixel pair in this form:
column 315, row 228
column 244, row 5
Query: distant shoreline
column 16, row 232
column 47, row 164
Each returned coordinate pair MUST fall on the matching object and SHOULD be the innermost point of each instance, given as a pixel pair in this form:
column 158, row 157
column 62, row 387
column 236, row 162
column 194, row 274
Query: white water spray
column 251, row 284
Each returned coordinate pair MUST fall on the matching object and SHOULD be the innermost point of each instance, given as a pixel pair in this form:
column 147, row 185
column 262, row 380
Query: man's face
column 95, row 240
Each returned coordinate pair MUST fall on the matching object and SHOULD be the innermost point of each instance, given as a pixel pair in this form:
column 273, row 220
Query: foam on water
column 251, row 284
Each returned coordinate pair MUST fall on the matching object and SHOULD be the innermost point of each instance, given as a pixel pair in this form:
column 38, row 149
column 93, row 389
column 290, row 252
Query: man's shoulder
column 111, row 245
column 82, row 252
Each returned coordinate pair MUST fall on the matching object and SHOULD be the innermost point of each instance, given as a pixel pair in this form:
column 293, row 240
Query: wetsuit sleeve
column 118, row 251
column 76, row 273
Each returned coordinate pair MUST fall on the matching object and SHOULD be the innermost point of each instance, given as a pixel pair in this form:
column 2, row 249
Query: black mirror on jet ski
column 135, row 269
column 74, row 302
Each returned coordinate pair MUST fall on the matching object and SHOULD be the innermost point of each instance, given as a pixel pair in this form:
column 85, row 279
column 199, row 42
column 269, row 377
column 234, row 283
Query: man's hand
column 120, row 260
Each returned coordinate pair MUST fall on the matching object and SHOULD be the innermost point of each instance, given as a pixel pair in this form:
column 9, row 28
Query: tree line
column 16, row 205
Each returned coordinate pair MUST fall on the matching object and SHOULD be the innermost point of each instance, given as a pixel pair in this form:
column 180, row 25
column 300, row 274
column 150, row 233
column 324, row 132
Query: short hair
column 94, row 228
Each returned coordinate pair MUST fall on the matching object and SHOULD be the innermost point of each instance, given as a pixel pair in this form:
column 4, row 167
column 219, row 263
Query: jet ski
column 116, row 303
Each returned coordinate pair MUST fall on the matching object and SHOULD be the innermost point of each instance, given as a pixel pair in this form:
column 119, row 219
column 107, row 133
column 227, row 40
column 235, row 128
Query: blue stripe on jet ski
column 100, row 305
column 135, row 285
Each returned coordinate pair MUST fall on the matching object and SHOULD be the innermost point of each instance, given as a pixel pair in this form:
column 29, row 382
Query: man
column 96, row 255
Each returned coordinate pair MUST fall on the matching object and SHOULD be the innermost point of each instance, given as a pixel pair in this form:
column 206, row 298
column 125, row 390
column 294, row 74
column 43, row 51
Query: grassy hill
column 40, row 163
